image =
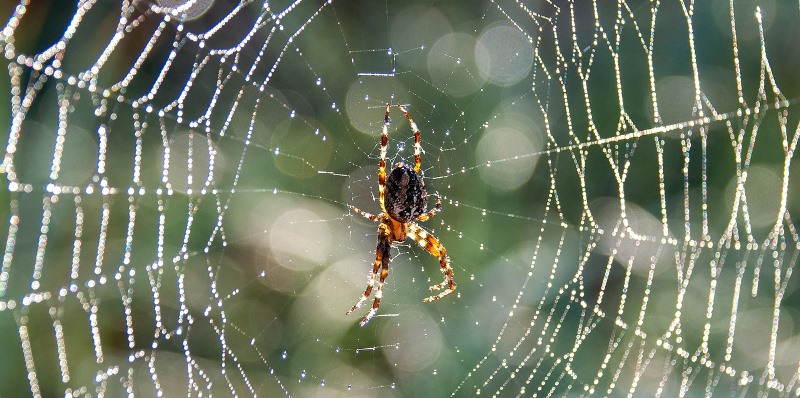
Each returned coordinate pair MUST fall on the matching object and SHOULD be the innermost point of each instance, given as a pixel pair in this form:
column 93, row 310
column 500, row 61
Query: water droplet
column 349, row 387
column 319, row 81
column 284, row 355
column 322, row 383
column 458, row 60
column 292, row 114
column 401, row 146
column 277, row 151
column 303, row 374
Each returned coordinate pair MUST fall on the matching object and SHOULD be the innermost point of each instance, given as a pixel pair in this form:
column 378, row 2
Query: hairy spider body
column 406, row 198
column 403, row 201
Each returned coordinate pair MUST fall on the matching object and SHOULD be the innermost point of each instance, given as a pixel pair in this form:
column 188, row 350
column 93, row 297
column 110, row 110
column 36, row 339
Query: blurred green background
column 618, row 207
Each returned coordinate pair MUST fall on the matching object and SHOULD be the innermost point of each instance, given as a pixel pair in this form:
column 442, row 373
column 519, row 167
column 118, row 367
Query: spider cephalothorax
column 403, row 201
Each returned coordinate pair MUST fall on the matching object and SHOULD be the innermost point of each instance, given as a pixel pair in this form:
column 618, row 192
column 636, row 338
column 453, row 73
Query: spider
column 403, row 201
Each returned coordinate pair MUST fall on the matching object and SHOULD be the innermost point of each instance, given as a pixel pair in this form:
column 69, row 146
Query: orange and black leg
column 384, row 246
column 363, row 213
column 432, row 212
column 382, row 164
column 432, row 246
column 382, row 258
column 417, row 139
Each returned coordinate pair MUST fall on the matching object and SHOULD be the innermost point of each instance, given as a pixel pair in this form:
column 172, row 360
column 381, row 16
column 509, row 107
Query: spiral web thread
column 102, row 276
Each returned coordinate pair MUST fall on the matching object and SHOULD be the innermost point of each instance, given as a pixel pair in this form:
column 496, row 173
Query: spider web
column 617, row 181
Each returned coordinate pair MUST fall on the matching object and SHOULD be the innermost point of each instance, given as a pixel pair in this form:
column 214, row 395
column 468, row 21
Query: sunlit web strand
column 762, row 107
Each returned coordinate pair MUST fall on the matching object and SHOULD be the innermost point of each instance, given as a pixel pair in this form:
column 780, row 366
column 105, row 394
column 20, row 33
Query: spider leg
column 363, row 213
column 377, row 266
column 432, row 246
column 382, row 257
column 417, row 137
column 427, row 216
column 382, row 164
column 384, row 245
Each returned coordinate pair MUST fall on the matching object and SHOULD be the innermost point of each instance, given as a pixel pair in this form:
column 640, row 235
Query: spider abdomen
column 406, row 198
